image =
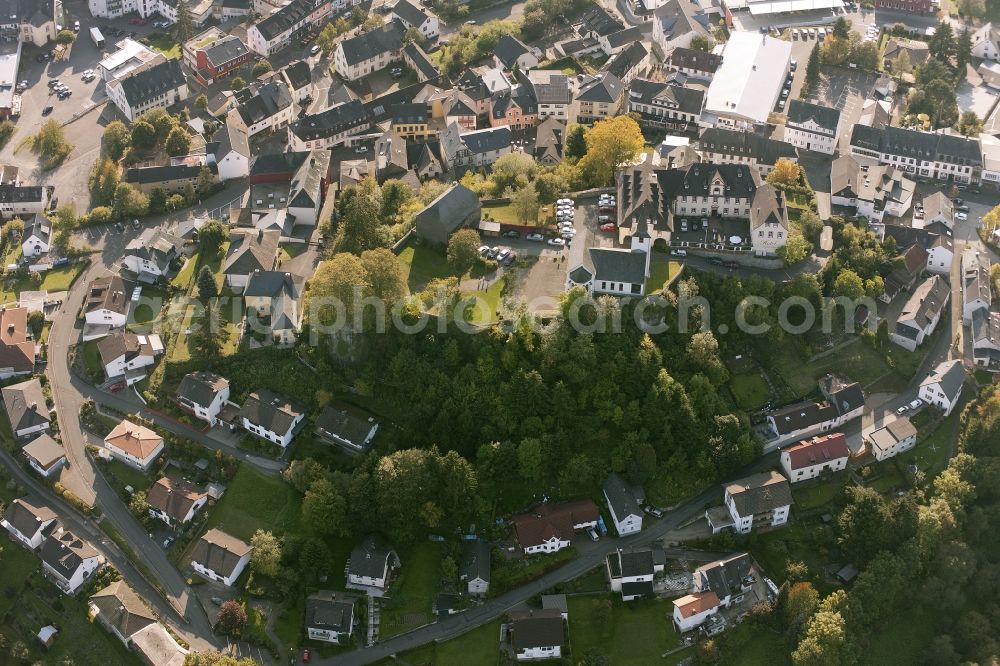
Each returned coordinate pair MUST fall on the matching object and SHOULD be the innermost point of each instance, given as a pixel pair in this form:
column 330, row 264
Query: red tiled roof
column 553, row 520
column 696, row 603
column 818, row 450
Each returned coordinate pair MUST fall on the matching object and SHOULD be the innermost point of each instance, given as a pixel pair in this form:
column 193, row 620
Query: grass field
column 479, row 647
column 636, row 633
column 749, row 645
column 505, row 214
column 165, row 44
column 819, row 494
column 55, row 280
column 422, row 264
column 231, row 312
column 805, row 540
column 40, row 603
column 858, row 362
column 408, row 603
column 904, row 640
column 92, row 358
column 487, row 303
column 254, row 501
column 661, row 273
column 750, row 391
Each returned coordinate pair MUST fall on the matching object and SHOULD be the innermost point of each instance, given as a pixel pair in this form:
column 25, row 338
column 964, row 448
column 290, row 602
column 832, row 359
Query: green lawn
column 505, row 214
column 931, row 452
column 254, row 501
column 55, row 280
column 752, row 645
column 421, row 264
column 408, row 603
column 479, row 647
column 41, row 604
column 660, row 274
column 231, row 312
column 149, row 307
column 857, row 362
column 487, row 302
column 637, row 632
column 807, row 540
column 818, row 494
column 120, row 475
column 750, row 391
column 165, row 44
column 92, row 358
column 185, row 275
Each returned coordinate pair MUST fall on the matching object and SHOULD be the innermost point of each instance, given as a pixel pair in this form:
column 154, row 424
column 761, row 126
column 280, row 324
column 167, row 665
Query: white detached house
column 203, row 394
column 760, row 499
column 36, row 239
column 68, row 561
column 943, row 387
column 220, row 557
column 624, row 508
column 28, row 522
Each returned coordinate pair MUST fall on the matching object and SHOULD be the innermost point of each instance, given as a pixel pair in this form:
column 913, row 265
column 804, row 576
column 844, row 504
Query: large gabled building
column 663, row 106
column 370, row 51
column 281, row 28
column 156, row 87
column 719, row 145
column 948, row 157
column 812, row 126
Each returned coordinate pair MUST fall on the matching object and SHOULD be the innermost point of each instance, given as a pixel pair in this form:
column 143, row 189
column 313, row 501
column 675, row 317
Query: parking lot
column 845, row 90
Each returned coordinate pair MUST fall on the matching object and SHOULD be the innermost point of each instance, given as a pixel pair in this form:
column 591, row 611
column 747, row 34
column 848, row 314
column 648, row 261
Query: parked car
column 901, row 410
column 915, row 404
column 610, row 226
column 314, row 49
column 593, row 534
column 503, row 254
column 556, row 241
column 510, row 259
column 513, row 233
column 729, row 263
column 961, row 217
column 135, row 223
column 535, row 237
column 76, row 26
column 46, row 110
column 136, row 21
column 306, row 655
column 484, row 250
column 684, row 225
column 653, row 511
column 715, row 260
column 603, row 218
column 678, row 253
column 492, row 254
column 564, row 202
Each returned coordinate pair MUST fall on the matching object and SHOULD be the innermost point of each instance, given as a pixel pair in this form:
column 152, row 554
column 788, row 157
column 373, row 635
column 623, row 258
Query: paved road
column 198, row 633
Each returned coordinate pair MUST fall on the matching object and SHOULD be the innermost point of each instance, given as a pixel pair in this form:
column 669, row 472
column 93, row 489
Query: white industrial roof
column 786, row 6
column 750, row 78
column 127, row 49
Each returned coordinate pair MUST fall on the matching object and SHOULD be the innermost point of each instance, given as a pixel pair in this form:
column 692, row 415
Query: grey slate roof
column 27, row 516
column 271, row 411
column 272, row 98
column 455, row 207
column 656, row 93
column 286, row 16
column 626, row 36
column 421, row 61
column 919, row 145
column 475, row 561
column 924, row 305
column 371, row 558
column 251, row 250
column 679, row 17
column 539, row 630
column 725, row 577
column 108, row 293
column 148, row 84
column 346, row 422
column 64, row 552
column 620, row 497
column 39, row 227
column 746, row 144
column 800, row 112
column 760, row 492
column 627, row 59
column 332, row 121
column 614, row 264
column 509, row 49
column 411, row 14
column 796, row 417
column 950, row 375
column 219, row 552
column 26, row 406
column 368, row 45
column 700, row 61
column 225, row 50
column 604, row 87
column 201, row 387
column 624, row 564
column 332, row 611
column 122, row 608
column 298, row 74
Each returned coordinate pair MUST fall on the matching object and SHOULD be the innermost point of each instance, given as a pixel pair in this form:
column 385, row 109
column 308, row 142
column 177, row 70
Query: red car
column 610, row 226
column 117, row 388
column 306, row 656
column 136, row 21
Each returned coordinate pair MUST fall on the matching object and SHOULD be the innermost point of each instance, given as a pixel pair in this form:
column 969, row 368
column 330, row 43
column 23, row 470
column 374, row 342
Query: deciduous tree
column 324, row 509
column 785, row 172
column 265, row 558
column 178, row 142
column 610, row 144
column 463, row 249
column 206, row 284
column 117, row 139
column 232, row 617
